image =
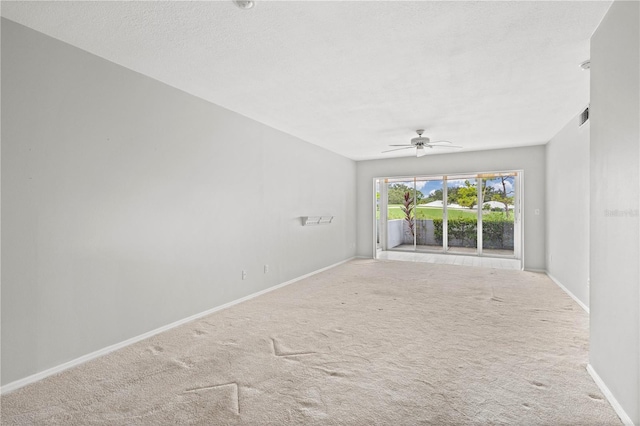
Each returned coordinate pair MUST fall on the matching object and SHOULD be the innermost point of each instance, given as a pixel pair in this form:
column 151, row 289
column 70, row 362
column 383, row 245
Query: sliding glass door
column 472, row 214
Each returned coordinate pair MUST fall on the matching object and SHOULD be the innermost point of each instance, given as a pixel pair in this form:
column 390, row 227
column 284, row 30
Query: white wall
column 128, row 204
column 567, row 192
column 614, row 243
column 530, row 159
column 395, row 232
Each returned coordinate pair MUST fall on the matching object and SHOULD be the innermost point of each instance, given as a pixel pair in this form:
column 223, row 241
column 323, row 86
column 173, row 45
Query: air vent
column 584, row 117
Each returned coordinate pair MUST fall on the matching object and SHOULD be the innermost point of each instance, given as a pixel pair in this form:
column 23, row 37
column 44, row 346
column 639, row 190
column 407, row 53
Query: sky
column 430, row 186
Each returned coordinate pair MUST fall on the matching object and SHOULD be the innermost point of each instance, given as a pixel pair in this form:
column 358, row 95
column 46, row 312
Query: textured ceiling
column 353, row 77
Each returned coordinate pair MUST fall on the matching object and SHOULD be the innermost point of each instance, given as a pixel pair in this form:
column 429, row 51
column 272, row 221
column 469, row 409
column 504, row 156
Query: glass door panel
column 498, row 214
column 429, row 214
column 462, row 215
column 401, row 232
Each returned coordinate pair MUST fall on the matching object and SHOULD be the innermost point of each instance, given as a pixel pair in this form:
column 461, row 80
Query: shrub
column 465, row 231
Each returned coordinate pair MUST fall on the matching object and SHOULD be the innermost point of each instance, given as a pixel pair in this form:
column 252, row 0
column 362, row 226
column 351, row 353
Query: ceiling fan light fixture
column 421, row 143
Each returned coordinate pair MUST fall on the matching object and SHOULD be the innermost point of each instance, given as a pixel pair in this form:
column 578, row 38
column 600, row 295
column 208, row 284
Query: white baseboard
column 566, row 290
column 9, row 387
column 626, row 420
column 537, row 271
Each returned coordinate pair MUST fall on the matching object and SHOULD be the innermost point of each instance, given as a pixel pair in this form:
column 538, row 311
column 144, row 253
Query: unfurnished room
column 320, row 212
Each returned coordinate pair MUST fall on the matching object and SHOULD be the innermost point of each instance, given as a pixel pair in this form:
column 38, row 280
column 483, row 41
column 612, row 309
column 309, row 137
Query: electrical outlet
column 244, row 275
column 266, row 269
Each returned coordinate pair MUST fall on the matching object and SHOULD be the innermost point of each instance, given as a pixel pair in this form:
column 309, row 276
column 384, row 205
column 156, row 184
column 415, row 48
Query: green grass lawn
column 395, row 212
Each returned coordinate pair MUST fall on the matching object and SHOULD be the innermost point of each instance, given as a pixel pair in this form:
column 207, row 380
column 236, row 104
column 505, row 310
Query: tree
column 434, row 196
column 452, row 194
column 397, row 190
column 487, row 192
column 467, row 195
column 505, row 196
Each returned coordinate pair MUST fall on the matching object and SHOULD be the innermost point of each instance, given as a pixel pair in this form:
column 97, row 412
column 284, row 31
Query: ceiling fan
column 422, row 144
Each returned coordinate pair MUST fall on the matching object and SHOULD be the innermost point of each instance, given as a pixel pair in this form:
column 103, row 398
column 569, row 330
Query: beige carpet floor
column 366, row 343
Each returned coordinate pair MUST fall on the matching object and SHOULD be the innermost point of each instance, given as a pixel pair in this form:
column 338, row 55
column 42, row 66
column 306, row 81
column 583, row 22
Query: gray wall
column 615, row 164
column 567, row 234
column 128, row 204
column 530, row 159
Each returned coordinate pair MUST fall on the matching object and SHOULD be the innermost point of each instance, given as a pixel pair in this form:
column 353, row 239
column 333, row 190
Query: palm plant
column 407, row 208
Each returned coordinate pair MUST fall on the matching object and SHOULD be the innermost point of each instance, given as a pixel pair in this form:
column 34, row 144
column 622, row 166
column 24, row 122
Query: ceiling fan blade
column 432, row 142
column 446, row 146
column 403, row 145
column 398, row 149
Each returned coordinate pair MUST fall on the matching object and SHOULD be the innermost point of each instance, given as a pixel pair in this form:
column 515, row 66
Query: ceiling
column 354, row 77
